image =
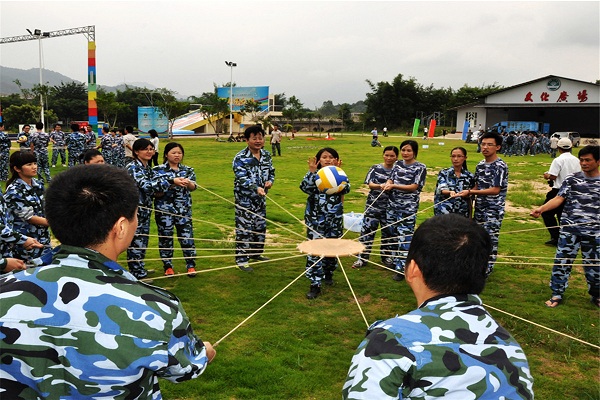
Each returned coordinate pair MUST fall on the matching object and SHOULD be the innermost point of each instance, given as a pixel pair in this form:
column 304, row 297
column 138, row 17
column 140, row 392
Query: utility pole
column 231, row 64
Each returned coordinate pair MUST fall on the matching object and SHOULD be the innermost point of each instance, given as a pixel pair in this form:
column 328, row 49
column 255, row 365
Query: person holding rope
column 324, row 218
column 580, row 227
column 452, row 181
column 374, row 216
column 450, row 346
column 254, row 176
column 174, row 210
column 491, row 184
column 83, row 327
column 404, row 185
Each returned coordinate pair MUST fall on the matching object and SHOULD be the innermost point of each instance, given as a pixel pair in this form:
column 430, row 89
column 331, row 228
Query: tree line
column 393, row 104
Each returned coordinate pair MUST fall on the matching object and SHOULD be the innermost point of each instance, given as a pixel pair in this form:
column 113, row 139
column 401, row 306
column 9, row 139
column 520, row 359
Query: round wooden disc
column 331, row 247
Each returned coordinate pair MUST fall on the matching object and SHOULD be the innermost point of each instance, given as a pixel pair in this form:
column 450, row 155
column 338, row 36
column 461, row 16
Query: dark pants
column 552, row 217
column 154, row 160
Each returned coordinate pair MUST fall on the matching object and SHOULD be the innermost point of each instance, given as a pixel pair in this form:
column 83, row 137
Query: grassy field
column 299, row 349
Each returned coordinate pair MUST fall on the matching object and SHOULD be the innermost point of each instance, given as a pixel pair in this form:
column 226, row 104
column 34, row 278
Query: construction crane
column 90, row 33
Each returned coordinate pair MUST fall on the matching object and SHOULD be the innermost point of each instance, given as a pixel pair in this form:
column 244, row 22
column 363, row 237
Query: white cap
column 564, row 143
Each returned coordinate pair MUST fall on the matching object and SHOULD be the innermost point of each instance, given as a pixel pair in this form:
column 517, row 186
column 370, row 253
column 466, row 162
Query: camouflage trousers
column 566, row 252
column 401, row 235
column 492, row 227
column 166, row 224
column 137, row 249
column 43, row 167
column 3, row 167
column 318, row 268
column 55, row 154
column 74, row 158
column 250, row 229
column 371, row 223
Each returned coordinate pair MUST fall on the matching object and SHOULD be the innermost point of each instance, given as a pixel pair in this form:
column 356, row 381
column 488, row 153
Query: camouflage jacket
column 23, row 202
column 59, row 139
column 582, row 202
column 402, row 201
column 489, row 175
column 148, row 182
column 75, row 142
column 322, row 210
column 447, row 180
column 377, row 201
column 176, row 199
column 83, row 327
column 449, row 347
column 250, row 174
column 40, row 141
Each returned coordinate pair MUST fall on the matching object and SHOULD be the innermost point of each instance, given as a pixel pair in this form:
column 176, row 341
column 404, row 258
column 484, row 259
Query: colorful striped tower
column 92, row 90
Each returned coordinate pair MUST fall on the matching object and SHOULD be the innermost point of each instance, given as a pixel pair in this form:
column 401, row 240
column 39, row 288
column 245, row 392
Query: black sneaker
column 328, row 279
column 314, row 292
column 398, row 277
column 388, row 262
column 246, row 268
column 260, row 258
column 552, row 242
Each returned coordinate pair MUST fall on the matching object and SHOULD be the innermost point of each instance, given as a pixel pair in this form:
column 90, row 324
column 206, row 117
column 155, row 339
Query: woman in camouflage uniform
column 174, row 209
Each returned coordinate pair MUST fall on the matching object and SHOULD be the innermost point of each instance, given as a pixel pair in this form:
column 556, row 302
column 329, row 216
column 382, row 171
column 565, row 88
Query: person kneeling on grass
column 83, row 326
column 449, row 346
column 579, row 227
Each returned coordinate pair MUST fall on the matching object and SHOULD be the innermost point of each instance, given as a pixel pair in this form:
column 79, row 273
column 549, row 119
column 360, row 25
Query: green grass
column 300, row 349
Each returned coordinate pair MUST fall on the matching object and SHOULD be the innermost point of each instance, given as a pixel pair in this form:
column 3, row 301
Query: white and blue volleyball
column 331, row 180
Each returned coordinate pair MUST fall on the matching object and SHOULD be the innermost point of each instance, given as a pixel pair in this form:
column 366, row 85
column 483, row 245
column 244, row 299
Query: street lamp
column 40, row 34
column 231, row 64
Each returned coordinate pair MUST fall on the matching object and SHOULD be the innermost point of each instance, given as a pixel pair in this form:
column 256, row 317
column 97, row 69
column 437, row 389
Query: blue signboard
column 241, row 95
column 152, row 118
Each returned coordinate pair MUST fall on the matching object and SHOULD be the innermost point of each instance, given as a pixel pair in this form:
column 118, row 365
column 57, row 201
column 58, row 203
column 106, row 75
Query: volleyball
column 22, row 139
column 331, row 180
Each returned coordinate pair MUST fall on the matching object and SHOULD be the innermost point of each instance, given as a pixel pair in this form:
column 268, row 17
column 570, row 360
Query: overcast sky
column 315, row 50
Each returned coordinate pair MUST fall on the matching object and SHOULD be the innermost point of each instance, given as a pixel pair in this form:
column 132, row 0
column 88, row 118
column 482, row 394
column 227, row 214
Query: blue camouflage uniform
column 8, row 236
column 5, row 144
column 58, row 147
column 26, row 145
column 450, row 348
column 374, row 217
column 250, row 208
column 403, row 206
column 176, row 203
column 119, row 151
column 580, row 229
column 489, row 210
column 148, row 185
column 40, row 141
column 76, row 146
column 83, row 327
column 90, row 140
column 447, row 180
column 324, row 218
column 106, row 145
column 23, row 202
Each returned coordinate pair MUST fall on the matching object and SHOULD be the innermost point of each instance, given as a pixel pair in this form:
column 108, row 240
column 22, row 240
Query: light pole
column 231, row 64
column 40, row 34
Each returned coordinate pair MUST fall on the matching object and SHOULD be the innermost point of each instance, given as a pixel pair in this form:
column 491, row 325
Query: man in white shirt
column 562, row 166
column 128, row 140
column 276, row 140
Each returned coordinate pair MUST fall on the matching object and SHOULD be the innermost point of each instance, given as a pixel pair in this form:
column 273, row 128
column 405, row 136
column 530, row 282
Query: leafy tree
column 328, row 109
column 69, row 101
column 293, row 110
column 393, row 104
column 251, row 107
column 109, row 107
column 172, row 108
column 280, row 101
column 345, row 114
column 24, row 114
column 213, row 108
column 134, row 97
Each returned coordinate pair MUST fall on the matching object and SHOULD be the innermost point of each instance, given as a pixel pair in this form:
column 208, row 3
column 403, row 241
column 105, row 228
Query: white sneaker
column 358, row 264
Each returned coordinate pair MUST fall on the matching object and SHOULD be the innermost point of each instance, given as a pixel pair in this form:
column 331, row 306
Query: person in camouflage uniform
column 450, row 347
column 148, row 184
column 118, row 148
column 491, row 184
column 83, row 327
column 254, row 175
column 59, row 144
column 39, row 145
column 324, row 218
column 173, row 209
column 75, row 144
column 451, row 181
column 405, row 184
column 23, row 138
column 374, row 217
column 25, row 202
column 580, row 227
column 90, row 137
column 4, row 153
column 106, row 145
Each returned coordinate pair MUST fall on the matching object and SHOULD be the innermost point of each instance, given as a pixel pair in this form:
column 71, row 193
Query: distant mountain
column 30, row 77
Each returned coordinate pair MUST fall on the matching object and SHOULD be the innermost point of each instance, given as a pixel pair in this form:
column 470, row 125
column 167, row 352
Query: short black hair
column 89, row 154
column 39, row 125
column 452, row 252
column 331, row 151
column 129, row 128
column 170, row 146
column 254, row 129
column 83, row 203
column 17, row 160
column 75, row 127
column 138, row 145
column 413, row 145
column 493, row 135
column 589, row 149
column 392, row 148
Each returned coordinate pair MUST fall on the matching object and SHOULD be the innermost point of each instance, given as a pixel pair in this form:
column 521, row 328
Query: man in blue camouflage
column 90, row 138
column 374, row 217
column 39, row 145
column 23, row 138
column 83, row 327
column 449, row 347
column 253, row 177
column 491, row 184
column 4, row 152
column 59, row 144
column 580, row 227
column 76, row 145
